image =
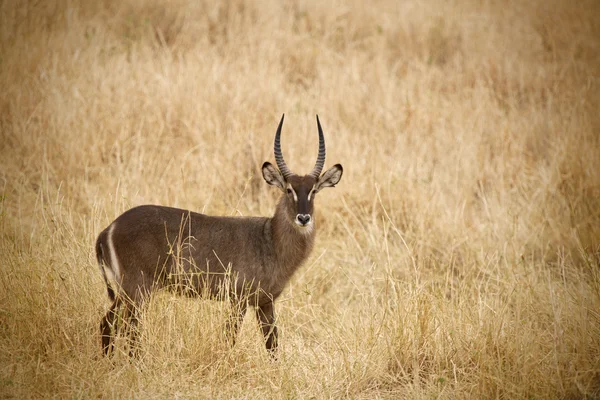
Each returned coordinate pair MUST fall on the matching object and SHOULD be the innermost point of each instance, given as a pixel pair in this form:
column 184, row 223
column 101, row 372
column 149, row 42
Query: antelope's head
column 299, row 191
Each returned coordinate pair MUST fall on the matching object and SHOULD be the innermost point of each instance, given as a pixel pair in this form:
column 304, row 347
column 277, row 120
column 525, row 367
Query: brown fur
column 191, row 253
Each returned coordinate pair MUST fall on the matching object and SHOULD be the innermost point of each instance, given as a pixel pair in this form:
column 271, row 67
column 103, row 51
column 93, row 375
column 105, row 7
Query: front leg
column 265, row 314
column 236, row 317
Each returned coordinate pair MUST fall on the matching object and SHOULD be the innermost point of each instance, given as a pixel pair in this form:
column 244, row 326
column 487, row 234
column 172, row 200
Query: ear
column 330, row 178
column 273, row 176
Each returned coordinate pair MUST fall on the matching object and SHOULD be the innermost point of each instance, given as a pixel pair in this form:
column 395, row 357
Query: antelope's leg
column 131, row 318
column 134, row 301
column 108, row 327
column 265, row 314
column 237, row 313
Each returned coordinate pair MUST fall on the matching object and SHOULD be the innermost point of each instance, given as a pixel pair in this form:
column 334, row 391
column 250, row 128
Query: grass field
column 459, row 257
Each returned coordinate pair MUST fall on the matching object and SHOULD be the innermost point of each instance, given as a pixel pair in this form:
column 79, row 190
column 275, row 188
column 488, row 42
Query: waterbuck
column 247, row 260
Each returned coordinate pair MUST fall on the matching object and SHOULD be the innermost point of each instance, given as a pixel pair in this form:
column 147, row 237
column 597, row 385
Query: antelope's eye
column 289, row 191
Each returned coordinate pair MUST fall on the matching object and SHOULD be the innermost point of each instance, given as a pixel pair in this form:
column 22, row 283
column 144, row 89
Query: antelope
column 251, row 258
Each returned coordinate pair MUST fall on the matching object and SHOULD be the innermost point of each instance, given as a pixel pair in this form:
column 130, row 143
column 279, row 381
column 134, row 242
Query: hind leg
column 111, row 325
column 107, row 326
column 131, row 316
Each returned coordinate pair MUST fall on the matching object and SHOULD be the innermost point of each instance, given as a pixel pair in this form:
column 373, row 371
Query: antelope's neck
column 292, row 244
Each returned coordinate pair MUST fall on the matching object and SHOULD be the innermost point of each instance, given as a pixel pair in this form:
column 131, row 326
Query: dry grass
column 458, row 258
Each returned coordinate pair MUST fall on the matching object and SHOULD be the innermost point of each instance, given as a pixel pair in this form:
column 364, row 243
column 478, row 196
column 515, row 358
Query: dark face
column 299, row 191
column 300, row 197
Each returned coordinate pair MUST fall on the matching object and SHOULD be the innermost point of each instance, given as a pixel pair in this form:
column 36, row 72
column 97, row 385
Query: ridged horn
column 321, row 157
column 285, row 171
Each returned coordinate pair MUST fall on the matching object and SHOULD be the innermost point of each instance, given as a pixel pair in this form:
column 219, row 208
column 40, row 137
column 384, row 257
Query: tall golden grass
column 458, row 258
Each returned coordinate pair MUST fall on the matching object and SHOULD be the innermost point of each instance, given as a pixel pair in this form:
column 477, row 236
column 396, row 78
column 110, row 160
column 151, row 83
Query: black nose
column 303, row 218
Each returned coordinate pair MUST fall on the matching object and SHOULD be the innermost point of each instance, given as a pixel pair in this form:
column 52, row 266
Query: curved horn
column 321, row 157
column 285, row 171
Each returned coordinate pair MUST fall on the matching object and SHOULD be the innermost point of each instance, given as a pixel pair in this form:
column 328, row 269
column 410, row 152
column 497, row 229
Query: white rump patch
column 114, row 270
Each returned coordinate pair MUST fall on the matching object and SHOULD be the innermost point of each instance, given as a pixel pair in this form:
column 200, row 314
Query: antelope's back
column 161, row 242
